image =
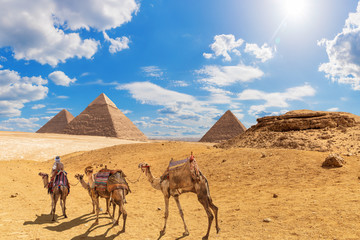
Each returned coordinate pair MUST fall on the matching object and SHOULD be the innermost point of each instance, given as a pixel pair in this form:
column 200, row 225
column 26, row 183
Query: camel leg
column 96, row 200
column 162, row 232
column 56, row 197
column 215, row 210
column 64, row 202
column 205, row 204
column 186, row 233
column 114, row 207
column 93, row 204
column 122, row 210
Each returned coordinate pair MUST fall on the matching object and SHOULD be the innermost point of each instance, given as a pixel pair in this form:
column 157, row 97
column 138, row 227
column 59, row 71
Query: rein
column 135, row 180
column 74, row 184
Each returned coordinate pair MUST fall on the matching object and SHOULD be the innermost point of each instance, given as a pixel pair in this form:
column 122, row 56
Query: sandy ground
column 312, row 202
column 43, row 146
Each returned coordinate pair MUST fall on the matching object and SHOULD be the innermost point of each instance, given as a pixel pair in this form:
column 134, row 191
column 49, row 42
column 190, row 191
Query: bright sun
column 295, row 9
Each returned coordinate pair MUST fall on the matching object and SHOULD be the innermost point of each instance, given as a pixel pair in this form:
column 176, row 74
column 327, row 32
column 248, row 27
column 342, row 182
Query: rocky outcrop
column 292, row 121
column 303, row 130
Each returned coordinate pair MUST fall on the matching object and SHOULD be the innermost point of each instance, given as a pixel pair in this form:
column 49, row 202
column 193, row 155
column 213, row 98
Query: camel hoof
column 217, row 230
column 122, row 231
column 186, row 234
column 53, row 220
column 162, row 232
column 65, row 216
column 96, row 222
column 205, row 238
column 116, row 223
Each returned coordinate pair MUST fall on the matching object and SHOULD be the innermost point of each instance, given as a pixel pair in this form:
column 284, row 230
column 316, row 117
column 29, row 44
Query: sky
column 175, row 67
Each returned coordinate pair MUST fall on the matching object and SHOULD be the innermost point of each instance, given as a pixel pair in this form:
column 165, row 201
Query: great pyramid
column 103, row 118
column 57, row 123
column 228, row 126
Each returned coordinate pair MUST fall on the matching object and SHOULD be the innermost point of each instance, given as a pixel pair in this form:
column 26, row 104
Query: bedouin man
column 58, row 166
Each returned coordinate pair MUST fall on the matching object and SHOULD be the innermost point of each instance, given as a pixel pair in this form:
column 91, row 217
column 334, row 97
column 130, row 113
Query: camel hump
column 180, row 174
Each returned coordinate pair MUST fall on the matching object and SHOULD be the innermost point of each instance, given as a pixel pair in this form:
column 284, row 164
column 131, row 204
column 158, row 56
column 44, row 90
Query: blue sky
column 174, row 67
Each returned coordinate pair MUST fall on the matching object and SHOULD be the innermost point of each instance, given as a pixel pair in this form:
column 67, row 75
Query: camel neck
column 155, row 182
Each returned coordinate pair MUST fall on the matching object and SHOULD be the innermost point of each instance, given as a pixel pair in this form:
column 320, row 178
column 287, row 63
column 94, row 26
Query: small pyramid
column 57, row 123
column 228, row 126
column 103, row 118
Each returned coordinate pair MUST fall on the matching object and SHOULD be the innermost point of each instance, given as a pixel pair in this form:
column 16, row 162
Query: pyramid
column 228, row 126
column 57, row 123
column 103, row 118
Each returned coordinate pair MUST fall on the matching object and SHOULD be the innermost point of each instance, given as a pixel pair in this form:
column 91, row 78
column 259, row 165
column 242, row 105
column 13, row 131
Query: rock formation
column 103, row 118
column 304, row 130
column 57, row 123
column 228, row 126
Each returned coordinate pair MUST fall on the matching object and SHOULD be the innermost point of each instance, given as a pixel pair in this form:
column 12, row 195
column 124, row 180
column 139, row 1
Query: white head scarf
column 57, row 159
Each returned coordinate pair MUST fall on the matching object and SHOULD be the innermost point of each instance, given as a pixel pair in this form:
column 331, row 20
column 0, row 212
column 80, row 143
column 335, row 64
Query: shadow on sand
column 99, row 237
column 41, row 219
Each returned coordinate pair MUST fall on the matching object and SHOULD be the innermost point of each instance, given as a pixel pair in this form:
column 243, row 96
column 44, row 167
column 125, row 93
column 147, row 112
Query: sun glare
column 295, row 9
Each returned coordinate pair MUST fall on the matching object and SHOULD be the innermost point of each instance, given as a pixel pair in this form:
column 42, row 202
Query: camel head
column 89, row 170
column 144, row 167
column 43, row 175
column 45, row 178
column 79, row 176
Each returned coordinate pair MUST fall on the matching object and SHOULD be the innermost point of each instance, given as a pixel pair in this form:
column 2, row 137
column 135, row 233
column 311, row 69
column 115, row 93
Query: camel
column 200, row 187
column 80, row 178
column 116, row 195
column 86, row 186
column 60, row 191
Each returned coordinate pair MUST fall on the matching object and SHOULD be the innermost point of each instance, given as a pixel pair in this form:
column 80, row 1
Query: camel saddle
column 117, row 181
column 109, row 180
column 180, row 175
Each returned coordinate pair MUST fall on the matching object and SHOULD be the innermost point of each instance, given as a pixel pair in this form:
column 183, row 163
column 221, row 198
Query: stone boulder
column 333, row 160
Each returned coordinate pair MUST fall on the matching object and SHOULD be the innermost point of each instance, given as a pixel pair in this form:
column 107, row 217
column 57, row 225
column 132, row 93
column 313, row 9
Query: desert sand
column 289, row 188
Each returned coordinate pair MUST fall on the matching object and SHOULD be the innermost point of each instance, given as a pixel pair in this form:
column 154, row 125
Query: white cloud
column 180, row 83
column 98, row 14
column 344, row 53
column 334, row 109
column 35, row 29
column 218, row 95
column 178, row 107
column 124, row 111
column 20, row 124
column 118, row 44
column 276, row 99
column 38, row 106
column 60, row 78
column 16, row 90
column 223, row 45
column 208, row 55
column 264, row 53
column 228, row 75
column 152, row 94
column 152, row 71
column 62, row 97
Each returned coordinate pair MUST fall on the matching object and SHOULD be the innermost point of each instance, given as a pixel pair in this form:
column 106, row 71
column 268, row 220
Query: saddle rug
column 173, row 165
column 101, row 179
column 61, row 179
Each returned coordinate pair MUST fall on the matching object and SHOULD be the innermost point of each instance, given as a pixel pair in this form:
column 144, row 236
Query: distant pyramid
column 228, row 126
column 57, row 123
column 103, row 118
